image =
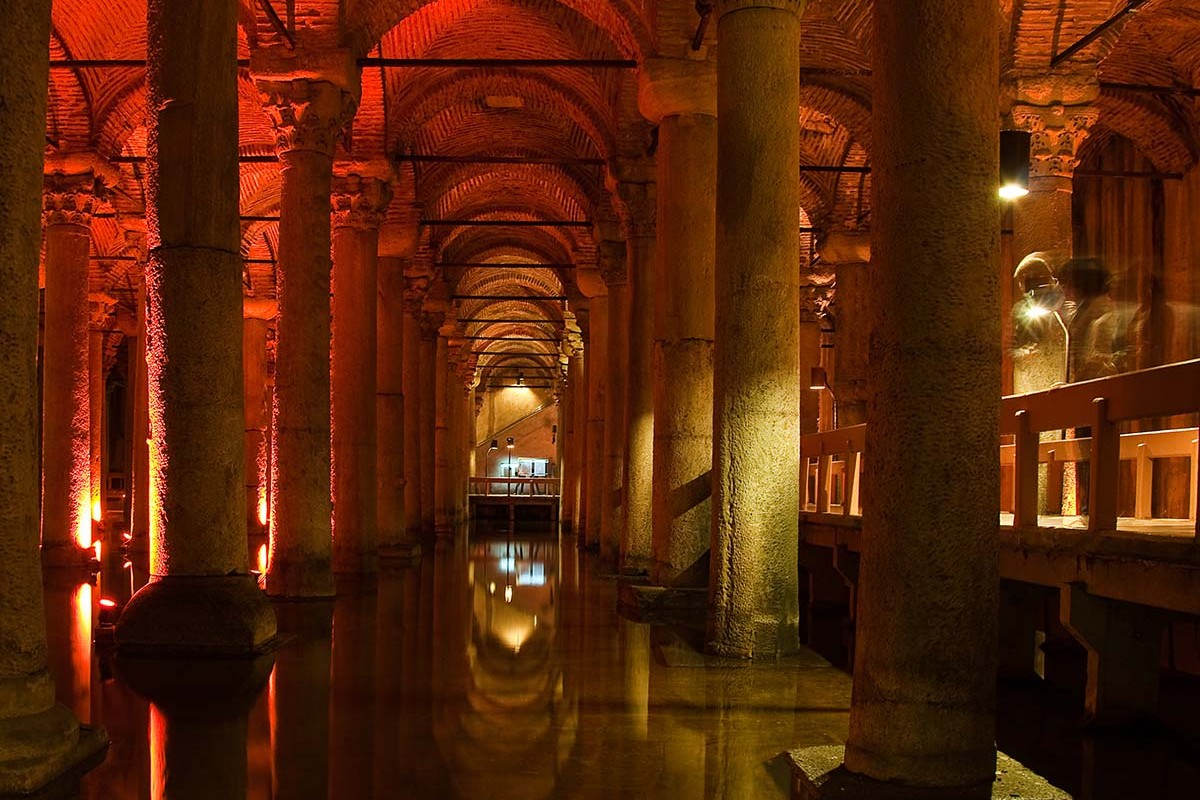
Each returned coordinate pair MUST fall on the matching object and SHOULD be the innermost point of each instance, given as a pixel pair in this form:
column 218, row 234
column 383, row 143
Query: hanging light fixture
column 818, row 379
column 520, row 379
column 1014, row 164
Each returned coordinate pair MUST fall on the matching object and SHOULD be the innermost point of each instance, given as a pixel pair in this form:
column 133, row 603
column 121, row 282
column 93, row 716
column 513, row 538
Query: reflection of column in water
column 351, row 725
column 300, row 702
column 198, row 722
column 69, row 640
column 635, row 654
column 125, row 774
column 258, row 748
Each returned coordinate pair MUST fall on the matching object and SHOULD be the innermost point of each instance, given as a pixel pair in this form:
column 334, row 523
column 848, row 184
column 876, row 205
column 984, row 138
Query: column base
column 306, row 580
column 44, row 755
column 818, row 774
column 68, row 555
column 662, row 605
column 197, row 615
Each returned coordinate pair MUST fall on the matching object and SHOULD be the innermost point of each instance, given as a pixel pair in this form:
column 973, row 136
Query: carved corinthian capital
column 70, row 199
column 1057, row 133
column 307, row 114
column 359, row 202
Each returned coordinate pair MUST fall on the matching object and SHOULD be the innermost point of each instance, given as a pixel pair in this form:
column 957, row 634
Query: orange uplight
column 83, row 530
column 81, row 651
column 97, row 547
column 97, row 514
column 106, row 603
column 262, row 505
column 127, row 536
column 262, row 559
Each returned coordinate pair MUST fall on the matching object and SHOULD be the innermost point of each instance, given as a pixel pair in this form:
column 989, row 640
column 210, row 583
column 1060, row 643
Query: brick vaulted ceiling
column 565, row 113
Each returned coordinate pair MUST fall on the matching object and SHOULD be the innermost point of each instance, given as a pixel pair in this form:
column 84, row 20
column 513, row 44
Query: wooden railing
column 832, row 461
column 514, row 487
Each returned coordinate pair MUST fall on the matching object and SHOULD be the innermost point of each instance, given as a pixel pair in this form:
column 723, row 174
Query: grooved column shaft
column 639, row 406
column 597, row 392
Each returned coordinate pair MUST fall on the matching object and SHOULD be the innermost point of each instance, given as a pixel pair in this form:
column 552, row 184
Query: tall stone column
column 359, row 204
column 256, row 325
column 923, row 710
column 753, row 589
column 39, row 739
column 198, row 553
column 638, row 456
column 414, row 476
column 579, row 406
column 139, row 515
column 595, row 478
column 308, row 116
column 66, row 434
column 681, row 98
column 612, row 493
column 849, row 254
column 100, row 308
column 397, row 533
column 443, row 389
column 568, row 467
column 427, row 418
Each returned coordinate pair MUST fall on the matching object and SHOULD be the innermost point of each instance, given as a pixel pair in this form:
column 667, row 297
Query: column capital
column 70, row 199
column 674, row 86
column 1057, row 132
column 430, row 322
column 415, row 289
column 100, row 308
column 307, row 114
column 259, row 308
column 359, row 201
column 846, row 247
column 724, row 7
column 815, row 300
column 640, row 200
column 611, row 259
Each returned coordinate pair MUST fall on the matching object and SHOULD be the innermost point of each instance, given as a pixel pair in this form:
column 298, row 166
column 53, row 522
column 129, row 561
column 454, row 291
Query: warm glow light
column 97, row 514
column 81, row 652
column 1012, row 191
column 83, row 531
column 492, row 587
column 127, row 536
column 508, row 593
column 106, row 603
column 262, row 505
column 1034, row 311
column 262, row 558
column 97, row 548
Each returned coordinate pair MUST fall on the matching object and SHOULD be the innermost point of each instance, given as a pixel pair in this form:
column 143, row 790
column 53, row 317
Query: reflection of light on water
column 158, row 756
column 81, row 650
column 508, row 593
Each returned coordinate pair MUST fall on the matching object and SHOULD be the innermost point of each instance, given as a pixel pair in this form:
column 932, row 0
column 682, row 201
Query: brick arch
column 447, row 191
column 367, row 21
column 1038, row 29
column 1148, row 123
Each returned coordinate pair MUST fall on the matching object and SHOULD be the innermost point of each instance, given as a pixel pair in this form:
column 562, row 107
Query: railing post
column 823, row 483
column 1105, row 470
column 1025, row 474
column 1143, row 482
column 850, row 483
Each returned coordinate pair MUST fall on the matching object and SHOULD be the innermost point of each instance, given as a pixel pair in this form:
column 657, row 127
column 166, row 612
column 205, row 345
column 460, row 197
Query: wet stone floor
column 496, row 668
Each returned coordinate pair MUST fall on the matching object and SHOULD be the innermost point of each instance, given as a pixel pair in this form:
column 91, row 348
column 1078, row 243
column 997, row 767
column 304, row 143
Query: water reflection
column 495, row 668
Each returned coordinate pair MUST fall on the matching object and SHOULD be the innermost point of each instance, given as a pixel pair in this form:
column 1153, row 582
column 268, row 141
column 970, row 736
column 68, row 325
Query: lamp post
column 819, row 381
column 510, row 445
column 487, row 466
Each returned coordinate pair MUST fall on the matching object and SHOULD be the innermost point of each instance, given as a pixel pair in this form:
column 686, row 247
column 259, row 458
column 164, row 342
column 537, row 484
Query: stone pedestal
column 753, row 603
column 681, row 97
column 923, row 710
column 308, row 116
column 359, row 204
column 198, row 553
column 39, row 740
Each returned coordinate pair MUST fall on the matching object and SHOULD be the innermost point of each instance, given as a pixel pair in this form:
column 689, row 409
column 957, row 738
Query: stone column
column 612, row 492
column 359, row 204
column 66, row 434
column 568, row 468
column 198, row 553
column 397, row 536
column 681, row 98
column 256, row 325
column 308, row 116
column 638, row 455
column 578, row 376
column 849, row 255
column 753, row 589
column 100, row 308
column 38, row 738
column 443, row 388
column 139, row 522
column 923, row 711
column 427, row 418
column 595, row 478
column 414, row 475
